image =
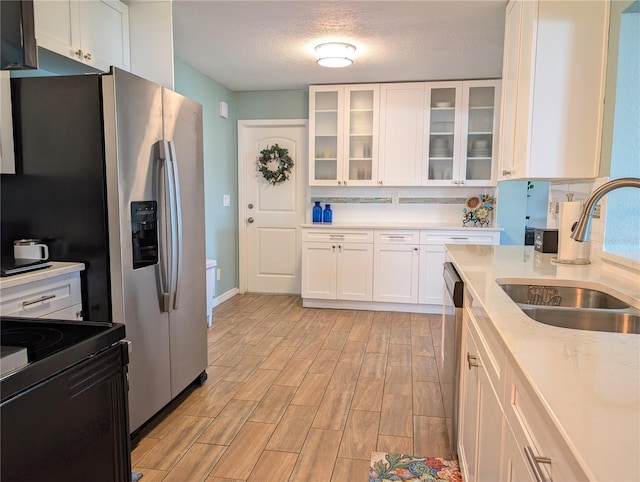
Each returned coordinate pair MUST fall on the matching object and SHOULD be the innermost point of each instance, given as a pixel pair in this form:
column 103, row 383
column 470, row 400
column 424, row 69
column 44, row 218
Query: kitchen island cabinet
column 569, row 397
column 52, row 292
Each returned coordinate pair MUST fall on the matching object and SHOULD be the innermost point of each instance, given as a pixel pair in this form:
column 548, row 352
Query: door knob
column 250, row 220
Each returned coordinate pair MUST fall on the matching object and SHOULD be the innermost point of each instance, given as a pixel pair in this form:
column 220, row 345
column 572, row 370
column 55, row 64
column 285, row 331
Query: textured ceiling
column 269, row 45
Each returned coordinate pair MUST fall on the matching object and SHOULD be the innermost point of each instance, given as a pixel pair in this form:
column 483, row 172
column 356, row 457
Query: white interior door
column 270, row 215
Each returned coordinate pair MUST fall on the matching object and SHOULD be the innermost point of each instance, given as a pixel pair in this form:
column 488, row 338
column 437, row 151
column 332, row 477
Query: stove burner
column 35, row 340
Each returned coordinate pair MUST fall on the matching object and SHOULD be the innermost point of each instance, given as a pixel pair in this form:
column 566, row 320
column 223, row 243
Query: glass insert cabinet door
column 443, row 110
column 326, row 152
column 478, row 144
column 361, row 134
column 343, row 120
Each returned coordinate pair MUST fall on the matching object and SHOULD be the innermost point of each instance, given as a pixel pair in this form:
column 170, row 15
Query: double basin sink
column 573, row 307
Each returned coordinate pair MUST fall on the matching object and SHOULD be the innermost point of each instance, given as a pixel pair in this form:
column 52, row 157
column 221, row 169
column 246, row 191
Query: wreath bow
column 275, row 164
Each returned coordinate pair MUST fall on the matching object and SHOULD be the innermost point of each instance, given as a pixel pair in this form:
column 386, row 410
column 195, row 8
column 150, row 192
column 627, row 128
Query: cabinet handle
column 472, row 360
column 380, row 182
column 39, row 300
column 87, row 56
column 395, row 237
column 506, row 172
column 79, row 315
column 415, row 249
column 340, row 248
column 534, row 462
column 78, row 53
column 333, row 248
column 460, row 238
column 336, row 236
column 344, row 183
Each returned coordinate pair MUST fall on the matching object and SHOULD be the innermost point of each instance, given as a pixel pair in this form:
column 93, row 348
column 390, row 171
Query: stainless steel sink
column 563, row 296
column 586, row 319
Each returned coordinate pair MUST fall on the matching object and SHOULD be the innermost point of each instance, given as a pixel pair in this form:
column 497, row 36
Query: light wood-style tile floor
column 301, row 394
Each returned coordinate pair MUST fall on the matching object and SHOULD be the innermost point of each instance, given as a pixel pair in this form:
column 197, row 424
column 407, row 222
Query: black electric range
column 51, row 346
column 65, row 413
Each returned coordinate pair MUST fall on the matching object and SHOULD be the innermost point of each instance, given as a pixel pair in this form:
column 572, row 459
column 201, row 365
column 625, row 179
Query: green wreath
column 275, row 164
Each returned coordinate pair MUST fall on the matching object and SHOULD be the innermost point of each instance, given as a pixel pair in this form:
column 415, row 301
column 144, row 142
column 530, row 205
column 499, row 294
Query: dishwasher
column 450, row 349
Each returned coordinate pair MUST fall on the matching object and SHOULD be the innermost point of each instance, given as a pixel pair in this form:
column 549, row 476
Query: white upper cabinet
column 94, row 32
column 461, row 126
column 343, row 141
column 554, row 77
column 401, row 133
column 438, row 133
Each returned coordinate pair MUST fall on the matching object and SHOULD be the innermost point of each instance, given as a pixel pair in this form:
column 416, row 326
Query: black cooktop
column 51, row 346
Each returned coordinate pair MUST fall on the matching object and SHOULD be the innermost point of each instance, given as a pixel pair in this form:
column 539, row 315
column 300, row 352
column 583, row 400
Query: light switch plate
column 226, row 200
column 224, row 110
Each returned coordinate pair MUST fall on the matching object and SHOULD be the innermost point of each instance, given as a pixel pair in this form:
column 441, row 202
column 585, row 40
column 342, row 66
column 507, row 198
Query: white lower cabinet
column 57, row 297
column 403, row 267
column 505, row 432
column 481, row 417
column 537, row 444
column 337, row 265
column 432, row 257
column 395, row 268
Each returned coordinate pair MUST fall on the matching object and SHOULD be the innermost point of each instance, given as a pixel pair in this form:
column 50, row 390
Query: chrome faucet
column 582, row 227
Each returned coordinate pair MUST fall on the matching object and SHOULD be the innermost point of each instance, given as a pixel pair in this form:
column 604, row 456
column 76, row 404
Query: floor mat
column 410, row 468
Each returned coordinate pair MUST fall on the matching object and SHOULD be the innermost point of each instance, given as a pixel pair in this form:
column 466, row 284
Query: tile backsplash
column 395, row 204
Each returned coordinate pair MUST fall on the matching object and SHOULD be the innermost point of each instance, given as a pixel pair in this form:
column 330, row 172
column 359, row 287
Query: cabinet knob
column 506, row 172
column 380, row 182
column 78, row 53
column 339, row 183
column 87, row 56
column 344, row 183
column 472, row 360
column 461, row 182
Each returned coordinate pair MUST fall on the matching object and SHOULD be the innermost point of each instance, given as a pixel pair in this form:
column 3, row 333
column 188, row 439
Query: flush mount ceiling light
column 335, row 54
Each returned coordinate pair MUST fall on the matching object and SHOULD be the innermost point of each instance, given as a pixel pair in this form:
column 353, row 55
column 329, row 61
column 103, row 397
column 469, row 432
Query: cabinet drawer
column 458, row 237
column 491, row 351
column 532, row 427
column 343, row 236
column 397, row 237
column 38, row 298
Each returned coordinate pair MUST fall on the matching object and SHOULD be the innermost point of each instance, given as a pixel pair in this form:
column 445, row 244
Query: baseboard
column 371, row 306
column 225, row 296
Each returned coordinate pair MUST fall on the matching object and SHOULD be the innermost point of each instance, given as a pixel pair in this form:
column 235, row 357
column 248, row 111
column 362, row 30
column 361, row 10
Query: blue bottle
column 327, row 214
column 317, row 213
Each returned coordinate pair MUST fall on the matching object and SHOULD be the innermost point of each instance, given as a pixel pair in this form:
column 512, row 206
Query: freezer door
column 133, row 127
column 187, row 317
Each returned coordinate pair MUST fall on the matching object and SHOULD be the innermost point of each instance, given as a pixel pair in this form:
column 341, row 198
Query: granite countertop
column 57, row 268
column 401, row 225
column 588, row 381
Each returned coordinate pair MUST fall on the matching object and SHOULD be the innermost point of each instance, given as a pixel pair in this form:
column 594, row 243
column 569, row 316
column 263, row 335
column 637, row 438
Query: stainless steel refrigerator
column 110, row 172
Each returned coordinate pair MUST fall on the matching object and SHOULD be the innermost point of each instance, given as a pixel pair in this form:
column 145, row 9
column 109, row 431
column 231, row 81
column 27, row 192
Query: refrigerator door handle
column 177, row 252
column 164, row 183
